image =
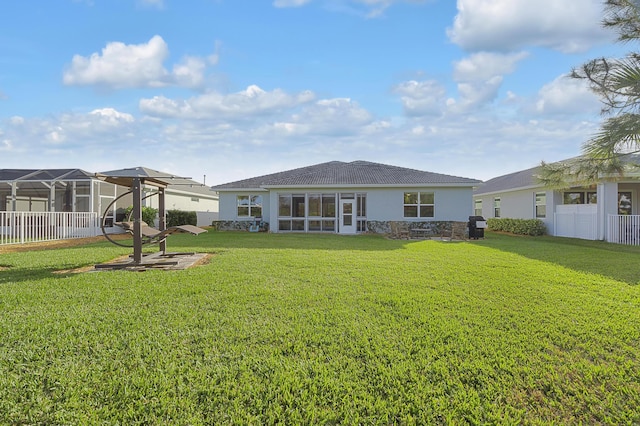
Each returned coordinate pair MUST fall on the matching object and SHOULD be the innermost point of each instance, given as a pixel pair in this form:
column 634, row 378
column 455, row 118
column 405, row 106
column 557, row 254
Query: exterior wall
column 450, row 204
column 228, row 206
column 520, row 205
column 382, row 204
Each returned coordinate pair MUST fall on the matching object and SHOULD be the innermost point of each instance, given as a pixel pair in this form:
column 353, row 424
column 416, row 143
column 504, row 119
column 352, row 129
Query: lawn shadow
column 14, row 274
column 615, row 261
column 214, row 240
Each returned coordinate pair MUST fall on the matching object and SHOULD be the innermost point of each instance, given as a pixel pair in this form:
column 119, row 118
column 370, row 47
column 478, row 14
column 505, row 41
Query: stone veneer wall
column 433, row 228
column 236, row 225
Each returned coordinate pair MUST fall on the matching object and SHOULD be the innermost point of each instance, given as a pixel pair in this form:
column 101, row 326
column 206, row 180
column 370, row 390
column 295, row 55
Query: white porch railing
column 30, row 227
column 624, row 229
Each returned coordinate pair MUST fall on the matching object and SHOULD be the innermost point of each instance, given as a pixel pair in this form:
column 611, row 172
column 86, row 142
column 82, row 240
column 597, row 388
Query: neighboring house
column 181, row 194
column 346, row 198
column 78, row 191
column 53, row 190
column 606, row 210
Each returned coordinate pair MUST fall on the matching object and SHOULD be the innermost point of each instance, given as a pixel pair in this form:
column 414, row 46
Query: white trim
column 353, row 228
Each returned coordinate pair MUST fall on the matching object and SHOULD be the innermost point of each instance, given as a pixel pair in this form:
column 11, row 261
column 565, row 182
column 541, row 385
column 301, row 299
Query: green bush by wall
column 179, row 217
column 149, row 214
column 533, row 227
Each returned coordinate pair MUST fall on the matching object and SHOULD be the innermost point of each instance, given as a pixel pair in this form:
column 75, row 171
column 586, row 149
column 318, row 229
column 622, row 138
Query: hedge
column 533, row 227
column 179, row 217
column 149, row 214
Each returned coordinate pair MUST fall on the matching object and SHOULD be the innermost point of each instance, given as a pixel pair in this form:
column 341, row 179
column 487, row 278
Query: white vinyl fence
column 577, row 221
column 624, row 229
column 30, row 227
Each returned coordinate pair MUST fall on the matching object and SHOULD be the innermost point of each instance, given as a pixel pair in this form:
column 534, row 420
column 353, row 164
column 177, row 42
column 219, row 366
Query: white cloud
column 250, row 102
column 480, row 76
column 566, row 96
column 111, row 116
column 504, row 25
column 121, row 66
column 339, row 116
column 190, row 72
column 290, row 134
column 421, row 97
column 486, row 65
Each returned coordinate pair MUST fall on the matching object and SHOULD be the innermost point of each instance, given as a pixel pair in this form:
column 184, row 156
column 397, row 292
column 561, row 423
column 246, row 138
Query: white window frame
column 250, row 206
column 540, row 200
column 419, row 204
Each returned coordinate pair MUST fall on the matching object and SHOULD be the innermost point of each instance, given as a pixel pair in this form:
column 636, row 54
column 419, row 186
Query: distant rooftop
column 521, row 179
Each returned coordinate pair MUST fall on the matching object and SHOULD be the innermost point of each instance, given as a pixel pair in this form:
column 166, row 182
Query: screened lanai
column 54, row 190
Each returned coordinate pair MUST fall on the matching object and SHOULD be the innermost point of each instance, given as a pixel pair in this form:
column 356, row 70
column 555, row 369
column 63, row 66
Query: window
column 297, row 205
column 328, row 205
column 284, row 205
column 321, row 212
column 624, row 203
column 573, row 198
column 249, row 205
column 361, row 201
column 419, row 204
column 291, row 212
column 496, row 207
column 311, row 212
column 541, row 204
column 477, row 207
column 580, row 197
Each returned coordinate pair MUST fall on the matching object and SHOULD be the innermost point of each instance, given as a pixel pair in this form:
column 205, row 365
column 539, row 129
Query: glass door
column 347, row 217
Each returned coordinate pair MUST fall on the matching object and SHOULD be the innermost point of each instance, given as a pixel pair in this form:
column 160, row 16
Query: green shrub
column 179, row 217
column 149, row 214
column 533, row 227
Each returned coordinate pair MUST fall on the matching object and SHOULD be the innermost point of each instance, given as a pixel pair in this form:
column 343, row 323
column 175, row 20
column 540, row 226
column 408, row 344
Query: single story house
column 346, row 198
column 606, row 210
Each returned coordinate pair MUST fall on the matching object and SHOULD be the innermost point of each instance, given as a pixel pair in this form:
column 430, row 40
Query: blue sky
column 233, row 89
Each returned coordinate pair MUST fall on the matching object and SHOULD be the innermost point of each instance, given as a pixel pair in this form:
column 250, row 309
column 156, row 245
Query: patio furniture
column 400, row 230
column 153, row 235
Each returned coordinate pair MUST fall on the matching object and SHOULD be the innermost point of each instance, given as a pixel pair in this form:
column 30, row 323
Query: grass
column 323, row 329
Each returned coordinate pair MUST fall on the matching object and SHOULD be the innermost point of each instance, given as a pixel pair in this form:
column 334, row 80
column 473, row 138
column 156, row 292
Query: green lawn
column 324, row 329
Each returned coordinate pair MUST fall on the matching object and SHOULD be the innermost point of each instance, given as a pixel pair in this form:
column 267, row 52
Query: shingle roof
column 521, row 179
column 528, row 178
column 348, row 174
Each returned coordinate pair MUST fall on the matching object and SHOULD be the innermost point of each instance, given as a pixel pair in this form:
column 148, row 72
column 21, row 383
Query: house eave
column 502, row 191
